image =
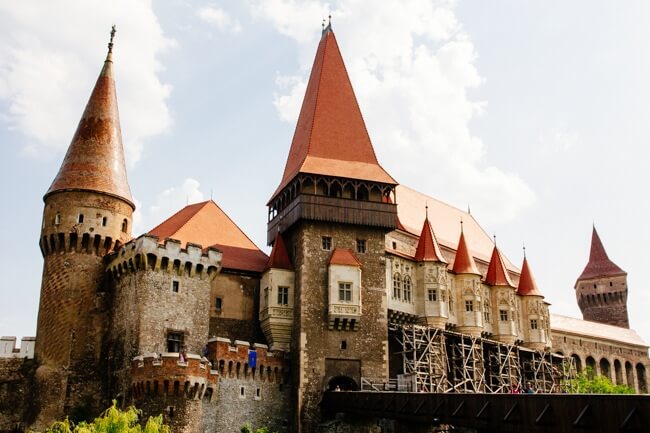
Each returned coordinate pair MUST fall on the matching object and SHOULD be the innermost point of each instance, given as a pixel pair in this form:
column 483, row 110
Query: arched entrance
column 342, row 383
column 604, row 368
column 591, row 366
column 618, row 372
column 640, row 377
column 578, row 362
column 629, row 374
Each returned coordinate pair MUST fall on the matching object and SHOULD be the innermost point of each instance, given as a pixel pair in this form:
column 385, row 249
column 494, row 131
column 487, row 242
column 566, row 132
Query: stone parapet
column 8, row 347
column 165, row 375
column 231, row 360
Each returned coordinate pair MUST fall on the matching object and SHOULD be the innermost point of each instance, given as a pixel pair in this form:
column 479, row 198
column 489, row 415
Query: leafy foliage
column 113, row 420
column 246, row 428
column 588, row 383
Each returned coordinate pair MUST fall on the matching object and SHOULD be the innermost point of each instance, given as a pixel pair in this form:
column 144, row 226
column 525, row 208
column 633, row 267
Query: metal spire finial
column 110, row 43
column 524, row 248
column 494, row 236
column 461, row 224
column 426, row 210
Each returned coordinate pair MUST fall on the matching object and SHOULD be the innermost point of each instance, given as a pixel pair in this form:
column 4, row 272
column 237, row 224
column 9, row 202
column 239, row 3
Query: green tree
column 246, row 428
column 113, row 420
column 588, row 383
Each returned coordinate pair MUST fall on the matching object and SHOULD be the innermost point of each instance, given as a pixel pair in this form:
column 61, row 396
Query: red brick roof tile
column 527, row 285
column 95, row 157
column 599, row 264
column 497, row 274
column 428, row 248
column 279, row 258
column 344, row 256
column 207, row 225
column 331, row 136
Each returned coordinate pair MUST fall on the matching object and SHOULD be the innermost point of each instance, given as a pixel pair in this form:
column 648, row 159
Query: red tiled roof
column 527, row 285
column 428, row 248
column 95, row 157
column 331, row 136
column 497, row 274
column 207, row 225
column 599, row 264
column 279, row 258
column 344, row 256
column 463, row 262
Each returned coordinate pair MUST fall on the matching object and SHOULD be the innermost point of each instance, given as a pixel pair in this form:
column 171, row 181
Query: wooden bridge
column 503, row 413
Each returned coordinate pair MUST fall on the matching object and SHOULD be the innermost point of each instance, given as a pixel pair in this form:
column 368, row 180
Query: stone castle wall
column 16, row 393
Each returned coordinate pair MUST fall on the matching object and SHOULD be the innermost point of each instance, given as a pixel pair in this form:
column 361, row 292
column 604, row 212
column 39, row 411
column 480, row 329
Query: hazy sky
column 533, row 113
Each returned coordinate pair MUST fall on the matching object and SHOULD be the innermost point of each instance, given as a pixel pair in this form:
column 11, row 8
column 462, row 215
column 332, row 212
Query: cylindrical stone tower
column 88, row 211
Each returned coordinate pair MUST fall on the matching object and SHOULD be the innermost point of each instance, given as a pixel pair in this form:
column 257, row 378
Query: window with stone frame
column 433, row 295
column 397, row 286
column 361, row 246
column 266, row 297
column 345, row 292
column 174, row 341
column 486, row 311
column 283, row 295
column 326, row 243
column 176, row 286
column 218, row 304
column 469, row 305
column 407, row 289
column 533, row 323
column 503, row 315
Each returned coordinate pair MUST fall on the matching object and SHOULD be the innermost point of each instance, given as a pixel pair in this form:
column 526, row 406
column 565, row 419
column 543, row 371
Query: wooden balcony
column 336, row 210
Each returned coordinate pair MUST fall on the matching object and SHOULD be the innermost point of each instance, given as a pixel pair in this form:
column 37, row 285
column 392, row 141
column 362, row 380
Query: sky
column 534, row 114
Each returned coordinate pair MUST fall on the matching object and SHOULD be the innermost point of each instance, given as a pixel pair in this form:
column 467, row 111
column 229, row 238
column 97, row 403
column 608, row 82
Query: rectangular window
column 174, row 341
column 175, row 286
column 469, row 306
column 361, row 246
column 345, row 292
column 326, row 243
column 283, row 296
column 433, row 295
column 503, row 315
column 266, row 296
column 81, row 218
column 486, row 312
column 533, row 323
column 218, row 304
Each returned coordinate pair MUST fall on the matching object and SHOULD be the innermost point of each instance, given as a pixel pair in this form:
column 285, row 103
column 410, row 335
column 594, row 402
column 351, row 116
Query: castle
column 194, row 321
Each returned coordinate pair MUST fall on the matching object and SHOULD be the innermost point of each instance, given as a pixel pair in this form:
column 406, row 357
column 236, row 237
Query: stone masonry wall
column 316, row 350
column 604, row 300
column 16, row 393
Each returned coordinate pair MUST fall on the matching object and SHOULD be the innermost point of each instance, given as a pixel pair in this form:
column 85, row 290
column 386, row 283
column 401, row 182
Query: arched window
column 125, row 225
column 407, row 288
column 397, row 286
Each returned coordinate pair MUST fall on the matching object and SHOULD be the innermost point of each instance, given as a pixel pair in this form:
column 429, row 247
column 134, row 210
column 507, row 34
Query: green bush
column 246, row 428
column 588, row 383
column 113, row 420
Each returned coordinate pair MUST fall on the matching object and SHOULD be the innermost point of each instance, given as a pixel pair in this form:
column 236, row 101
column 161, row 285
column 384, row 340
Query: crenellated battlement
column 8, row 347
column 231, row 360
column 88, row 243
column 164, row 375
column 146, row 252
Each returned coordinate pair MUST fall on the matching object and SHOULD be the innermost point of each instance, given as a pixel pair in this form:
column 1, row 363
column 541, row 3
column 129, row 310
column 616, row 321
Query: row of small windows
column 326, row 244
column 81, row 218
column 402, row 287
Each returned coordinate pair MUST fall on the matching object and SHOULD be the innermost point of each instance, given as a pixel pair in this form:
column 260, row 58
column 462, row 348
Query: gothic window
column 397, row 286
column 361, row 246
column 433, row 295
column 503, row 315
column 407, row 289
column 326, row 243
column 283, row 296
column 533, row 323
column 345, row 292
column 174, row 341
column 469, row 305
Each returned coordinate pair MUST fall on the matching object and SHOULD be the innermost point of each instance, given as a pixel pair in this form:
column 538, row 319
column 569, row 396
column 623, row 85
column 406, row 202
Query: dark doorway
column 342, row 383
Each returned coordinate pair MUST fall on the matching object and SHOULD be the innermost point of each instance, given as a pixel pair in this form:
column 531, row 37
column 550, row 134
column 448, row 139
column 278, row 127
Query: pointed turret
column 497, row 275
column 464, row 262
column 599, row 264
column 95, row 157
column 428, row 248
column 527, row 285
column 279, row 258
column 331, row 137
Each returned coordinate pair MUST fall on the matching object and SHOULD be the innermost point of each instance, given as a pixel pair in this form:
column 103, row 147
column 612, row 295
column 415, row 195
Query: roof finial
column 323, row 25
column 494, row 236
column 328, row 27
column 110, row 43
column 524, row 247
column 461, row 224
column 330, row 19
column 426, row 210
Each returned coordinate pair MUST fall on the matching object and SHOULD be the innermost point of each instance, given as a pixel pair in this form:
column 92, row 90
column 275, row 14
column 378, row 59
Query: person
column 205, row 351
column 529, row 388
column 337, row 389
column 182, row 356
column 515, row 388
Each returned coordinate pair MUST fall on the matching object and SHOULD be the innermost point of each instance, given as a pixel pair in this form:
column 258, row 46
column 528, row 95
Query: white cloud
column 558, row 140
column 219, row 18
column 412, row 66
column 170, row 201
column 47, row 71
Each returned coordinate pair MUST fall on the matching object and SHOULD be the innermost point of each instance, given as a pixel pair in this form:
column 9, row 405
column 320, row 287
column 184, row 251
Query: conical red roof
column 527, row 285
column 331, row 136
column 497, row 275
column 464, row 262
column 428, row 248
column 95, row 157
column 279, row 258
column 599, row 264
